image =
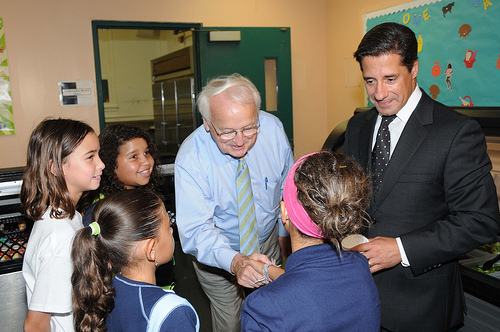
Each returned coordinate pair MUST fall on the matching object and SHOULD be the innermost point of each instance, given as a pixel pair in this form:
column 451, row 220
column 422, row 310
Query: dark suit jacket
column 438, row 196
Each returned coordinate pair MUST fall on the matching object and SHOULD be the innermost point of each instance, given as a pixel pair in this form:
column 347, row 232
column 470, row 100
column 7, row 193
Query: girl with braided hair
column 324, row 288
column 114, row 263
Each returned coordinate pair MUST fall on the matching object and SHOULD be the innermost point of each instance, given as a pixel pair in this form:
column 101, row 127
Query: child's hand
column 256, row 265
column 272, row 271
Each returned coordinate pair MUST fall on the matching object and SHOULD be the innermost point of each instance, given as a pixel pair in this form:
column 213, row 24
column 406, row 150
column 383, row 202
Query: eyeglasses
column 248, row 132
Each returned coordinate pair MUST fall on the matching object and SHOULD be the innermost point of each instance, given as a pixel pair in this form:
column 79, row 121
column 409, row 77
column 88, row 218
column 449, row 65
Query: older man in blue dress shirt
column 206, row 195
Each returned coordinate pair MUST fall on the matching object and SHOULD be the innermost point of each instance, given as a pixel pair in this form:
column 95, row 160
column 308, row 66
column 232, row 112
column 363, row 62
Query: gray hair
column 244, row 92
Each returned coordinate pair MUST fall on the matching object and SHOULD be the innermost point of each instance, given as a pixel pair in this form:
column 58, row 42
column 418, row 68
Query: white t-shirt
column 47, row 269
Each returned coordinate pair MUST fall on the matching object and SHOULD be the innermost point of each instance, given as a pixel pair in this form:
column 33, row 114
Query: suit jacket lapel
column 413, row 134
column 365, row 140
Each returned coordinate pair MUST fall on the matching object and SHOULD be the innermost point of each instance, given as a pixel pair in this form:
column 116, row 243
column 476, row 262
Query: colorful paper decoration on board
column 6, row 117
column 458, row 47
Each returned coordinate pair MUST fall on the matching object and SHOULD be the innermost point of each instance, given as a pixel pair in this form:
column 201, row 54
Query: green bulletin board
column 459, row 47
column 6, row 118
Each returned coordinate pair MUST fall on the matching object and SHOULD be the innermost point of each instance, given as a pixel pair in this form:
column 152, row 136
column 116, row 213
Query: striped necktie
column 249, row 236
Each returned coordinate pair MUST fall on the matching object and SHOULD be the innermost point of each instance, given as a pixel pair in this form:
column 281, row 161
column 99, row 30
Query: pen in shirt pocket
column 265, row 182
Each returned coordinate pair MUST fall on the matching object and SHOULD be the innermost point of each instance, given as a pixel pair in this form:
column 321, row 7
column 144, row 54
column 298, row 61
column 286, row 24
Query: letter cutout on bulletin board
column 458, row 45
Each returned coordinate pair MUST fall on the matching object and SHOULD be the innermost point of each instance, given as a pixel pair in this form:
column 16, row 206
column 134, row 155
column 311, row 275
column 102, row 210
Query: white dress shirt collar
column 405, row 113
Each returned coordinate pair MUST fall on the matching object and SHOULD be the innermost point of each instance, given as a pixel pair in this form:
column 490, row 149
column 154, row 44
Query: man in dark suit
column 433, row 202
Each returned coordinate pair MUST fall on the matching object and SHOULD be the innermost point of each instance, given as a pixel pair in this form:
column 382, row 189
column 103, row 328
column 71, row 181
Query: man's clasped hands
column 254, row 270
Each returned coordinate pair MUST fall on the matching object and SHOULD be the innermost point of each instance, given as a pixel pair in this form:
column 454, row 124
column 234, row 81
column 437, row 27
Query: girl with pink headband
column 323, row 288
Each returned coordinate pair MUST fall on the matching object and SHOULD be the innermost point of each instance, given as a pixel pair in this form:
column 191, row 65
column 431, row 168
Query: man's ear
column 414, row 70
column 285, row 220
column 205, row 124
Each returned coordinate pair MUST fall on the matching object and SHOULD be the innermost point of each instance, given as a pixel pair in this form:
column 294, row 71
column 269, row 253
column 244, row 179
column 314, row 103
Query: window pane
column 271, row 85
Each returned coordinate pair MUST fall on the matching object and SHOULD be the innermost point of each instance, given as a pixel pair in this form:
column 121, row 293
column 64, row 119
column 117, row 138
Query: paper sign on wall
column 77, row 93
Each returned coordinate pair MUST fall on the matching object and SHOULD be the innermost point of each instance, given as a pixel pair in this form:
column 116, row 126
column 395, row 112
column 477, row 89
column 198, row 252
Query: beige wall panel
column 51, row 41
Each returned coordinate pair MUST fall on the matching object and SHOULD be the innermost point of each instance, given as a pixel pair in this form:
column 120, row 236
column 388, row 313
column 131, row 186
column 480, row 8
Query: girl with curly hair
column 131, row 160
column 324, row 287
column 114, row 263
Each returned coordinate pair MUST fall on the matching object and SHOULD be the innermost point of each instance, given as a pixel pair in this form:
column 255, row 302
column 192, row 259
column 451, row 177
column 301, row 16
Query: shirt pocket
column 268, row 193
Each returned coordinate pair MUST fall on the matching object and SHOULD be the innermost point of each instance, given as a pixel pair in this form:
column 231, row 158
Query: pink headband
column 296, row 212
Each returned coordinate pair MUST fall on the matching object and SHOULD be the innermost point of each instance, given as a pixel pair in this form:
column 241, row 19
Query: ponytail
column 121, row 220
column 93, row 297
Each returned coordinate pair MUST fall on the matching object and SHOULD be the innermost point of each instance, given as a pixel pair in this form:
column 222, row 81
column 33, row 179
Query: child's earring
column 156, row 262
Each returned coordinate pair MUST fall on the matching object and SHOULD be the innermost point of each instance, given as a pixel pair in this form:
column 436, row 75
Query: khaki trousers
column 225, row 294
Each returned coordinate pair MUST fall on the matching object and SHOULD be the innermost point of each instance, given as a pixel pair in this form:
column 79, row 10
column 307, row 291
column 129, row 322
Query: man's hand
column 381, row 252
column 286, row 247
column 246, row 275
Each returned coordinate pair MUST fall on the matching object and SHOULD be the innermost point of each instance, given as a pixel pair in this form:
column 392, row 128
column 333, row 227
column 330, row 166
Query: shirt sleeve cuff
column 404, row 260
column 226, row 258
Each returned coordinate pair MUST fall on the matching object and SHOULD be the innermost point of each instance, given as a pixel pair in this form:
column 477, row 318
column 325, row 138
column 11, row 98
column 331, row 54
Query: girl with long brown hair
column 115, row 258
column 62, row 163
